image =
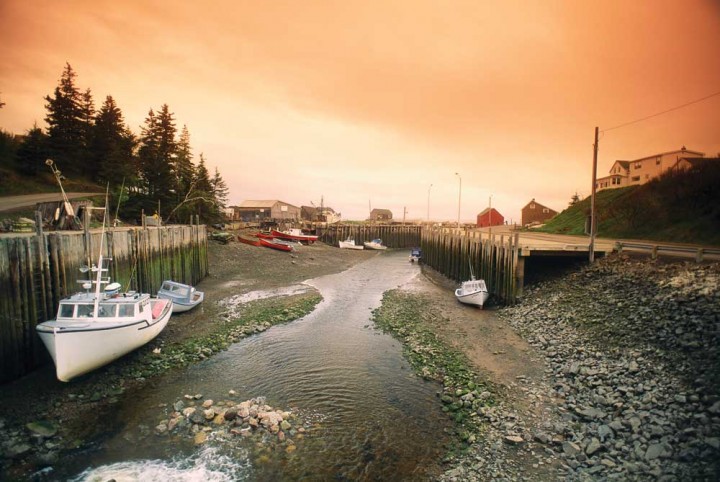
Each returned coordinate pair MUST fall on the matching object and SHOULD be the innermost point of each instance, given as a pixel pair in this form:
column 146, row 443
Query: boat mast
column 100, row 269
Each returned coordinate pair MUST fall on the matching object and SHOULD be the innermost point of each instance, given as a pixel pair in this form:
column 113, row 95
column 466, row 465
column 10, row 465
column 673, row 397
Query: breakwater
column 36, row 271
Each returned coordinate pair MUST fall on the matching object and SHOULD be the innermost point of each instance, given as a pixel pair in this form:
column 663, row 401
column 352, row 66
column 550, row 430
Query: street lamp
column 459, row 197
column 428, row 210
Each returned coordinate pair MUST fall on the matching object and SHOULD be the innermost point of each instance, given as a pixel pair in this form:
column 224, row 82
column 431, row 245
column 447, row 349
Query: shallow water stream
column 373, row 419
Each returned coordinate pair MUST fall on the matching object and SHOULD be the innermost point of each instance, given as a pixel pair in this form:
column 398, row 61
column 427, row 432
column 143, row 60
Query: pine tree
column 33, row 152
column 220, row 193
column 67, row 124
column 112, row 146
column 156, row 158
column 184, row 169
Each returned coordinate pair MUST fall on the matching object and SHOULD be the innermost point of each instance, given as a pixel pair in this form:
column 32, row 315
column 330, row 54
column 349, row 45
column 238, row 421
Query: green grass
column 683, row 208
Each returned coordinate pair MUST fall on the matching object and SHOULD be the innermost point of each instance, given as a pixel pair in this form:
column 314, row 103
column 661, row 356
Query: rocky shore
column 630, row 388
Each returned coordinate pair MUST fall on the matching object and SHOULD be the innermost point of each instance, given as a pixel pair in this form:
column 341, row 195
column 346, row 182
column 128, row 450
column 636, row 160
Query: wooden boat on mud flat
column 93, row 328
column 295, row 235
column 349, row 243
column 184, row 297
column 275, row 244
column 472, row 292
column 374, row 244
column 251, row 240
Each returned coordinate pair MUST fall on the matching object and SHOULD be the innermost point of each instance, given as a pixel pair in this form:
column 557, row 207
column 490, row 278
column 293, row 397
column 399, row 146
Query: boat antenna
column 117, row 210
column 472, row 274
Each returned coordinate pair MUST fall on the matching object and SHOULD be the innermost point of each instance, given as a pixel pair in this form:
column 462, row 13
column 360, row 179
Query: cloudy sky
column 369, row 103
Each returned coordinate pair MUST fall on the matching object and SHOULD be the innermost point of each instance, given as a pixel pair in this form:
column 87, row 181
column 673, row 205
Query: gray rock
column 571, row 449
column 42, row 428
column 655, row 451
column 593, row 447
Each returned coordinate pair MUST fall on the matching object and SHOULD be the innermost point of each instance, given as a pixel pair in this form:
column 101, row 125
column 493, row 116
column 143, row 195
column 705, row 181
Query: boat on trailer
column 95, row 327
column 472, row 292
column 184, row 297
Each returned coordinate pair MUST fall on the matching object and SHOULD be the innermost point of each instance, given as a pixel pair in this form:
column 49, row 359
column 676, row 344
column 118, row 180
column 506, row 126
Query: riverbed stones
column 632, row 356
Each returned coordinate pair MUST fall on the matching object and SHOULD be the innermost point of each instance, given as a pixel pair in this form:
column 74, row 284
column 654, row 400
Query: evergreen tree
column 33, row 152
column 220, row 194
column 184, row 169
column 89, row 170
column 67, row 124
column 156, row 158
column 112, row 146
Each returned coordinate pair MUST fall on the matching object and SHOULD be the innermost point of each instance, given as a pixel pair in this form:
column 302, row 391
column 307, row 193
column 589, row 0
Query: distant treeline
column 96, row 147
column 679, row 206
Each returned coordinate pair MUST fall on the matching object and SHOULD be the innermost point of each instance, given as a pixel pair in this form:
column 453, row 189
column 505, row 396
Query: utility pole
column 593, row 220
column 459, row 198
column 404, row 213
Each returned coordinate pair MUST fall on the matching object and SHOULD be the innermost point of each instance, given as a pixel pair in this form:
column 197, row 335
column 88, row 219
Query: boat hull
column 182, row 306
column 475, row 298
column 81, row 347
column 303, row 238
column 269, row 243
column 370, row 245
column 349, row 245
column 254, row 241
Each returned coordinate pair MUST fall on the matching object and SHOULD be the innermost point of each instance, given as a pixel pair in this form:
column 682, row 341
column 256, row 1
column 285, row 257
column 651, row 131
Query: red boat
column 253, row 241
column 271, row 243
column 295, row 235
column 265, row 235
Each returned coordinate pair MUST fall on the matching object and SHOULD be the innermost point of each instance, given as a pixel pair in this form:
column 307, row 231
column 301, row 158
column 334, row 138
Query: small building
column 267, row 210
column 640, row 171
column 534, row 213
column 490, row 217
column 381, row 215
column 319, row 215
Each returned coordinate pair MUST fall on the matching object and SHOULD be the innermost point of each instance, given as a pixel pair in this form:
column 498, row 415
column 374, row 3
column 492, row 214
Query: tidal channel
column 375, row 419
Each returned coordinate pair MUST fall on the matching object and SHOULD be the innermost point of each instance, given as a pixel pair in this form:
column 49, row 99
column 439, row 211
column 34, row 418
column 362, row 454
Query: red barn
column 490, row 217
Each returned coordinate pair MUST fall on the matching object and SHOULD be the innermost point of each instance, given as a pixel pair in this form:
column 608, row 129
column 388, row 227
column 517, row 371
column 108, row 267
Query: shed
column 265, row 210
column 490, row 217
column 534, row 212
column 381, row 215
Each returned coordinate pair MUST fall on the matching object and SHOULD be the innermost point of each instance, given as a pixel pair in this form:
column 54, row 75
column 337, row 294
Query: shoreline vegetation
column 622, row 357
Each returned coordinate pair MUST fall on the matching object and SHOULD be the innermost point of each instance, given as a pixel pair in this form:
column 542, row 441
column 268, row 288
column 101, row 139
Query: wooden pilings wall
column 36, row 271
column 494, row 259
column 393, row 236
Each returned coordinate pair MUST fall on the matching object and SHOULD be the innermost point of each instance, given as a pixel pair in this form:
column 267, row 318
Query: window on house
column 546, row 210
column 657, row 162
column 635, row 178
column 637, row 165
column 532, row 206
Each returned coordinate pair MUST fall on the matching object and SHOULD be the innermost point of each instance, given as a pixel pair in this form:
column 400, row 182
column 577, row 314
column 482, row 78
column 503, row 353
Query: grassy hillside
column 678, row 207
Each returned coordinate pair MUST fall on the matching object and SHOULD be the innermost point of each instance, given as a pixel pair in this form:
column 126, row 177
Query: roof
column 682, row 151
column 380, row 211
column 487, row 210
column 538, row 204
column 261, row 204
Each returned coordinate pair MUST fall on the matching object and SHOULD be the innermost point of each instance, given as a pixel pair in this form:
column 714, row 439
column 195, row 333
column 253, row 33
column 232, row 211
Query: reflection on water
column 373, row 418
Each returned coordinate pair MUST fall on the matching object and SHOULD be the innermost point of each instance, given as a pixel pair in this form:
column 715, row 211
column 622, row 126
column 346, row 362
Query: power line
column 663, row 112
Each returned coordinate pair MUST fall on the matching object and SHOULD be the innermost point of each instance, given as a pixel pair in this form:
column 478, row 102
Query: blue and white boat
column 184, row 297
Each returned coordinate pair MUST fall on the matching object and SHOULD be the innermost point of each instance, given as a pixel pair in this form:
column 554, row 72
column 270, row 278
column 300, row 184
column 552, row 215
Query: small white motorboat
column 184, row 297
column 473, row 291
column 349, row 243
column 93, row 328
column 374, row 244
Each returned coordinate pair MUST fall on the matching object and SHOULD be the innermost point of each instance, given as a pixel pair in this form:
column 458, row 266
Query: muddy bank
column 42, row 419
column 608, row 373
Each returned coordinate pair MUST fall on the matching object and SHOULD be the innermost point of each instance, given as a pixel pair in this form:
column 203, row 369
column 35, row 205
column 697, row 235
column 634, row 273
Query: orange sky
column 373, row 101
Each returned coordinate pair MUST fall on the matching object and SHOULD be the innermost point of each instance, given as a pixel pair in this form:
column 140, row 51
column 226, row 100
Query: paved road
column 10, row 203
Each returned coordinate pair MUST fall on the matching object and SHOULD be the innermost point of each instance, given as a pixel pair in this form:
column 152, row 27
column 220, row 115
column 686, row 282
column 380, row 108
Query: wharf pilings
column 38, row 270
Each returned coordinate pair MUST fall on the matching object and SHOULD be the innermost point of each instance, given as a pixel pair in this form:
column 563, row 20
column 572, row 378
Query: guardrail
column 700, row 253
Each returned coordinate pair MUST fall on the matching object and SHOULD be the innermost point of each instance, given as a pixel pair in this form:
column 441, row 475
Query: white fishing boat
column 374, row 244
column 349, row 243
column 473, row 291
column 95, row 327
column 184, row 297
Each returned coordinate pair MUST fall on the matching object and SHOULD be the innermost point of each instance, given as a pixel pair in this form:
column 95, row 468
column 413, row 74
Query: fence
column 36, row 271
